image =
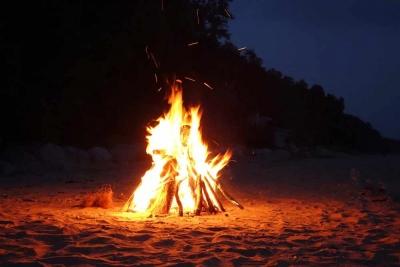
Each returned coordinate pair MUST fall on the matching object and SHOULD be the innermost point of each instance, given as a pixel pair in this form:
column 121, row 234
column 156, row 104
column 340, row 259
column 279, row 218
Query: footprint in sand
column 213, row 261
column 141, row 238
column 164, row 243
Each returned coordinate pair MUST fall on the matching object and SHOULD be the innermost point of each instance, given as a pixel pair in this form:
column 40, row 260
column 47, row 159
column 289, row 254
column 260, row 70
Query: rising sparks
column 228, row 13
column 146, row 49
column 209, row 86
column 189, row 79
column 192, row 44
column 156, row 64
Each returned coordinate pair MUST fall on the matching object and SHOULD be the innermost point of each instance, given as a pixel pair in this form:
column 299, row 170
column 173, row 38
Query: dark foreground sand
column 321, row 212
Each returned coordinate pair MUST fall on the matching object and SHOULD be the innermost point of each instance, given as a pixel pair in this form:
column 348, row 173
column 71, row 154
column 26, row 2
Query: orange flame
column 177, row 136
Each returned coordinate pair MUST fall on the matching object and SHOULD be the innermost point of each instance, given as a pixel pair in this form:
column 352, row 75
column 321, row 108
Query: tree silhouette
column 86, row 73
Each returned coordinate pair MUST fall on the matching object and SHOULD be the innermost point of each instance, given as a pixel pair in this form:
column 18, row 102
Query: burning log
column 209, row 187
column 229, row 197
column 183, row 177
column 224, row 193
column 178, row 200
column 210, row 205
column 163, row 202
column 199, row 197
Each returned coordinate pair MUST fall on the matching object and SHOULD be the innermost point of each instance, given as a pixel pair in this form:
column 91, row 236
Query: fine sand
column 319, row 212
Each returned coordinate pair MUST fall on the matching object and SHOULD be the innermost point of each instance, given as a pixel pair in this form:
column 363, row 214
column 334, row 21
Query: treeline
column 89, row 72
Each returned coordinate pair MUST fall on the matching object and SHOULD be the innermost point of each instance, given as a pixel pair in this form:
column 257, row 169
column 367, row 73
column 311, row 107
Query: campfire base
column 204, row 192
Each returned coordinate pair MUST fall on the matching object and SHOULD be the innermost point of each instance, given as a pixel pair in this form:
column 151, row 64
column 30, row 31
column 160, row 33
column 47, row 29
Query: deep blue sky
column 350, row 47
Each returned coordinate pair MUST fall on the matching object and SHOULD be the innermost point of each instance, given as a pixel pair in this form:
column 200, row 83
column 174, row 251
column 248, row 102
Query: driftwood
column 178, row 199
column 224, row 193
column 162, row 204
column 229, row 197
column 210, row 205
column 208, row 185
column 199, row 197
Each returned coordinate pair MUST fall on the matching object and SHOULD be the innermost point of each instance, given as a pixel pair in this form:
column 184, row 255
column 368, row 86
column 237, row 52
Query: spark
column 215, row 142
column 192, row 44
column 242, row 48
column 159, row 89
column 206, row 84
column 147, row 51
column 228, row 13
column 178, row 81
column 190, row 79
column 198, row 17
column 154, row 60
column 155, row 77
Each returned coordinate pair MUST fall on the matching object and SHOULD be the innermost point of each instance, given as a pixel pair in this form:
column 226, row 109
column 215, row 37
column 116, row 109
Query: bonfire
column 184, row 176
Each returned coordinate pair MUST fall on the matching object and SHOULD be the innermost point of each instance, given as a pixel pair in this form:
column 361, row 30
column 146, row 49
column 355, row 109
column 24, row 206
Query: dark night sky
column 350, row 47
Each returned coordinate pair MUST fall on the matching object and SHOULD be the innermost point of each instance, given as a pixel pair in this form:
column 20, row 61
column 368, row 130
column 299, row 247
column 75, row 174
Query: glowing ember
column 183, row 176
column 193, row 43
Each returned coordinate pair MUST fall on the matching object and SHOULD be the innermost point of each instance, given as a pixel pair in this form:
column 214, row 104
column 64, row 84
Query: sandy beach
column 338, row 211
